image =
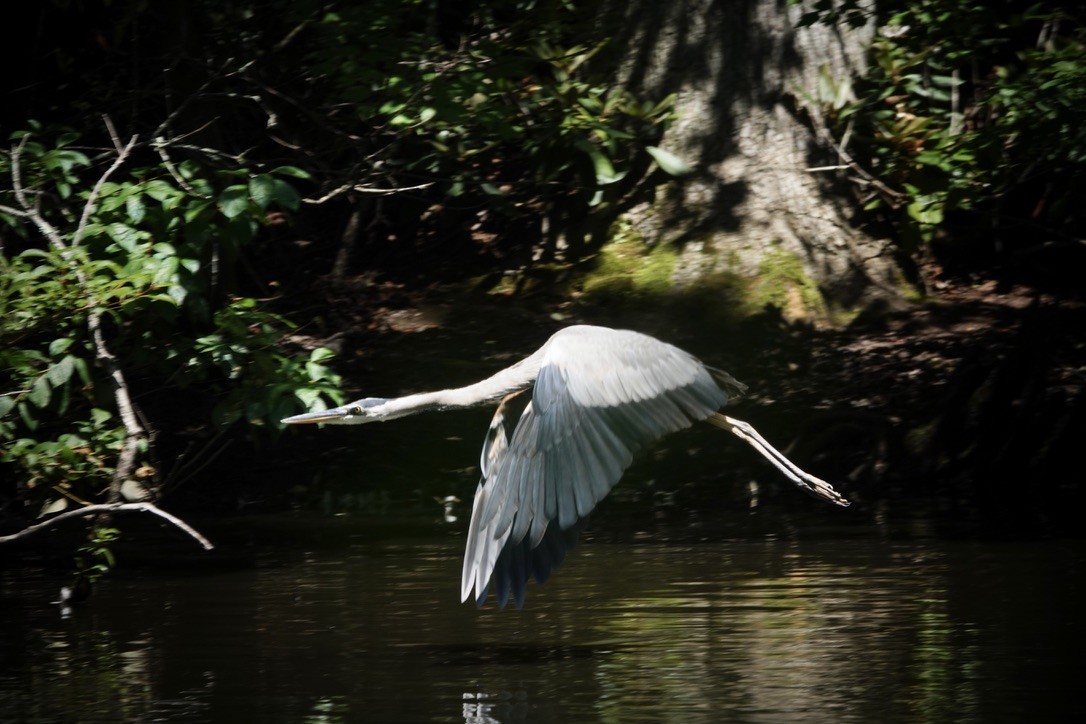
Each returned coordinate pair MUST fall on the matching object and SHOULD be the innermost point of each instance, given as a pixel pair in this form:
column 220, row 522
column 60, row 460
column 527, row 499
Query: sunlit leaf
column 605, row 171
column 160, row 191
column 52, row 507
column 668, row 162
column 60, row 345
column 60, row 372
column 39, row 392
column 126, row 237
column 134, row 206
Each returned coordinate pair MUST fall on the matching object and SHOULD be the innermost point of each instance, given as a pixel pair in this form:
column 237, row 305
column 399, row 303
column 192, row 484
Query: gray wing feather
column 599, row 397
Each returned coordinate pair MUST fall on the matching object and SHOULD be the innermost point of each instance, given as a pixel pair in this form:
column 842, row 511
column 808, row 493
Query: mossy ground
column 628, row 268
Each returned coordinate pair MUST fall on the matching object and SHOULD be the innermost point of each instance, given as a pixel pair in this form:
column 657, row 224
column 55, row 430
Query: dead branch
column 367, row 190
column 111, row 508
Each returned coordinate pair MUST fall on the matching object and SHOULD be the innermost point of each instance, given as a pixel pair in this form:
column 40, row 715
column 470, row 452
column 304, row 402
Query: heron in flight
column 598, row 395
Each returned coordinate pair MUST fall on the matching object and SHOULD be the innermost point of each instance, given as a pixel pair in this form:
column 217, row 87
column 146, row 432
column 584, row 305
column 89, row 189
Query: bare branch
column 111, row 508
column 13, row 211
column 92, row 200
column 112, row 132
column 367, row 190
column 30, row 211
column 160, row 145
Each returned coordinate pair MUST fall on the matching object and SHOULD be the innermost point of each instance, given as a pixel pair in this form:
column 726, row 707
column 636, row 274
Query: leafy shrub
column 971, row 111
column 137, row 267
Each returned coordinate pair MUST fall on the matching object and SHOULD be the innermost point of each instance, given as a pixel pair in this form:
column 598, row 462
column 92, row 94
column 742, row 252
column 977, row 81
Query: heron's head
column 353, row 413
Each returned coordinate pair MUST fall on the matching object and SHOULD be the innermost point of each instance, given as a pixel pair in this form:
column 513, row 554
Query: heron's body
column 598, row 396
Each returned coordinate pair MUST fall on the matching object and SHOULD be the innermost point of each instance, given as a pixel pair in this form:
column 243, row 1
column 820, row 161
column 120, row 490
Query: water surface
column 334, row 620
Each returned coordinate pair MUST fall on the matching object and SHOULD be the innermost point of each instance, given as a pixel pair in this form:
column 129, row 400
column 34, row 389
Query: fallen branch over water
column 111, row 508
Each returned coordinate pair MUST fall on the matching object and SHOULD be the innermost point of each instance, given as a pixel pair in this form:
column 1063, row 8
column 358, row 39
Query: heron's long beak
column 336, row 413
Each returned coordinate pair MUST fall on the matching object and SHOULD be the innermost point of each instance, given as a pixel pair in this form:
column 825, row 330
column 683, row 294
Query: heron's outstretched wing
column 599, row 396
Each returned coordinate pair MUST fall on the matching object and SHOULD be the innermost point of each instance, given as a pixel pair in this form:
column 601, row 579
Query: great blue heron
column 600, row 395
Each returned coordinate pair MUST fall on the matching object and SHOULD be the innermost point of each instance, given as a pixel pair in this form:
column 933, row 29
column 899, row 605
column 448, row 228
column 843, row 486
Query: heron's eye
column 356, row 410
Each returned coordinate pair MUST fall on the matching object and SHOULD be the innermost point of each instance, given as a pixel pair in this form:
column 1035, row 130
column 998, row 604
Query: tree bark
column 742, row 70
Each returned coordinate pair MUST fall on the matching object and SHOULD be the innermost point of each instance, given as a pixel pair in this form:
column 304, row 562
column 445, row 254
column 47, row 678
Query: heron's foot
column 822, row 489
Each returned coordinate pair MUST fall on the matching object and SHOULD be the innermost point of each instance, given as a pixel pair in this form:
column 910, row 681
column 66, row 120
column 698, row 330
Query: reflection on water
column 846, row 628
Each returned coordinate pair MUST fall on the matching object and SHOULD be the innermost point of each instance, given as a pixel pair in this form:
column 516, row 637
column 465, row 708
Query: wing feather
column 600, row 396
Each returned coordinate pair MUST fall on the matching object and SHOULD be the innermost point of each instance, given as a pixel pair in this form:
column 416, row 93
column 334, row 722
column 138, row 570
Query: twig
column 111, row 508
column 367, row 190
column 159, row 144
column 112, row 132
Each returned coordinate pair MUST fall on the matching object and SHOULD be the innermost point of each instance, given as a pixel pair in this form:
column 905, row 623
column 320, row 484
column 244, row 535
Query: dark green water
column 335, row 620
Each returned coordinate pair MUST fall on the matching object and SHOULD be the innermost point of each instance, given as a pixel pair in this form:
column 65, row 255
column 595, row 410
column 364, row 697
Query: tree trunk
column 742, row 73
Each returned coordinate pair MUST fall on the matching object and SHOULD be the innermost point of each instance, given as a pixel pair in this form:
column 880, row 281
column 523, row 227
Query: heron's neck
column 493, row 388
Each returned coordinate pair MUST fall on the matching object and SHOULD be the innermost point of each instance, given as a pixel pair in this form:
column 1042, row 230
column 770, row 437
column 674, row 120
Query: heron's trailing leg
column 746, row 432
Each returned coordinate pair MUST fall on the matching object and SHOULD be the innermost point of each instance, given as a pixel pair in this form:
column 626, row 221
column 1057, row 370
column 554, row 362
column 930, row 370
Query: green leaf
column 320, row 354
column 590, row 104
column 82, row 369
column 39, row 392
column 311, row 399
column 234, row 201
column 135, row 208
column 64, row 159
column 293, row 171
column 262, row 190
column 7, row 403
column 60, row 345
column 160, row 191
column 194, row 210
column 285, row 195
column 126, row 237
column 668, row 162
column 605, row 171
column 61, row 372
column 188, row 169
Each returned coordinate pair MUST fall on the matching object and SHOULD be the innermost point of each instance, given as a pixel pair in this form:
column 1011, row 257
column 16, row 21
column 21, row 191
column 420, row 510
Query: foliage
column 95, row 559
column 461, row 118
column 972, row 113
column 501, row 121
column 153, row 255
column 485, row 112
